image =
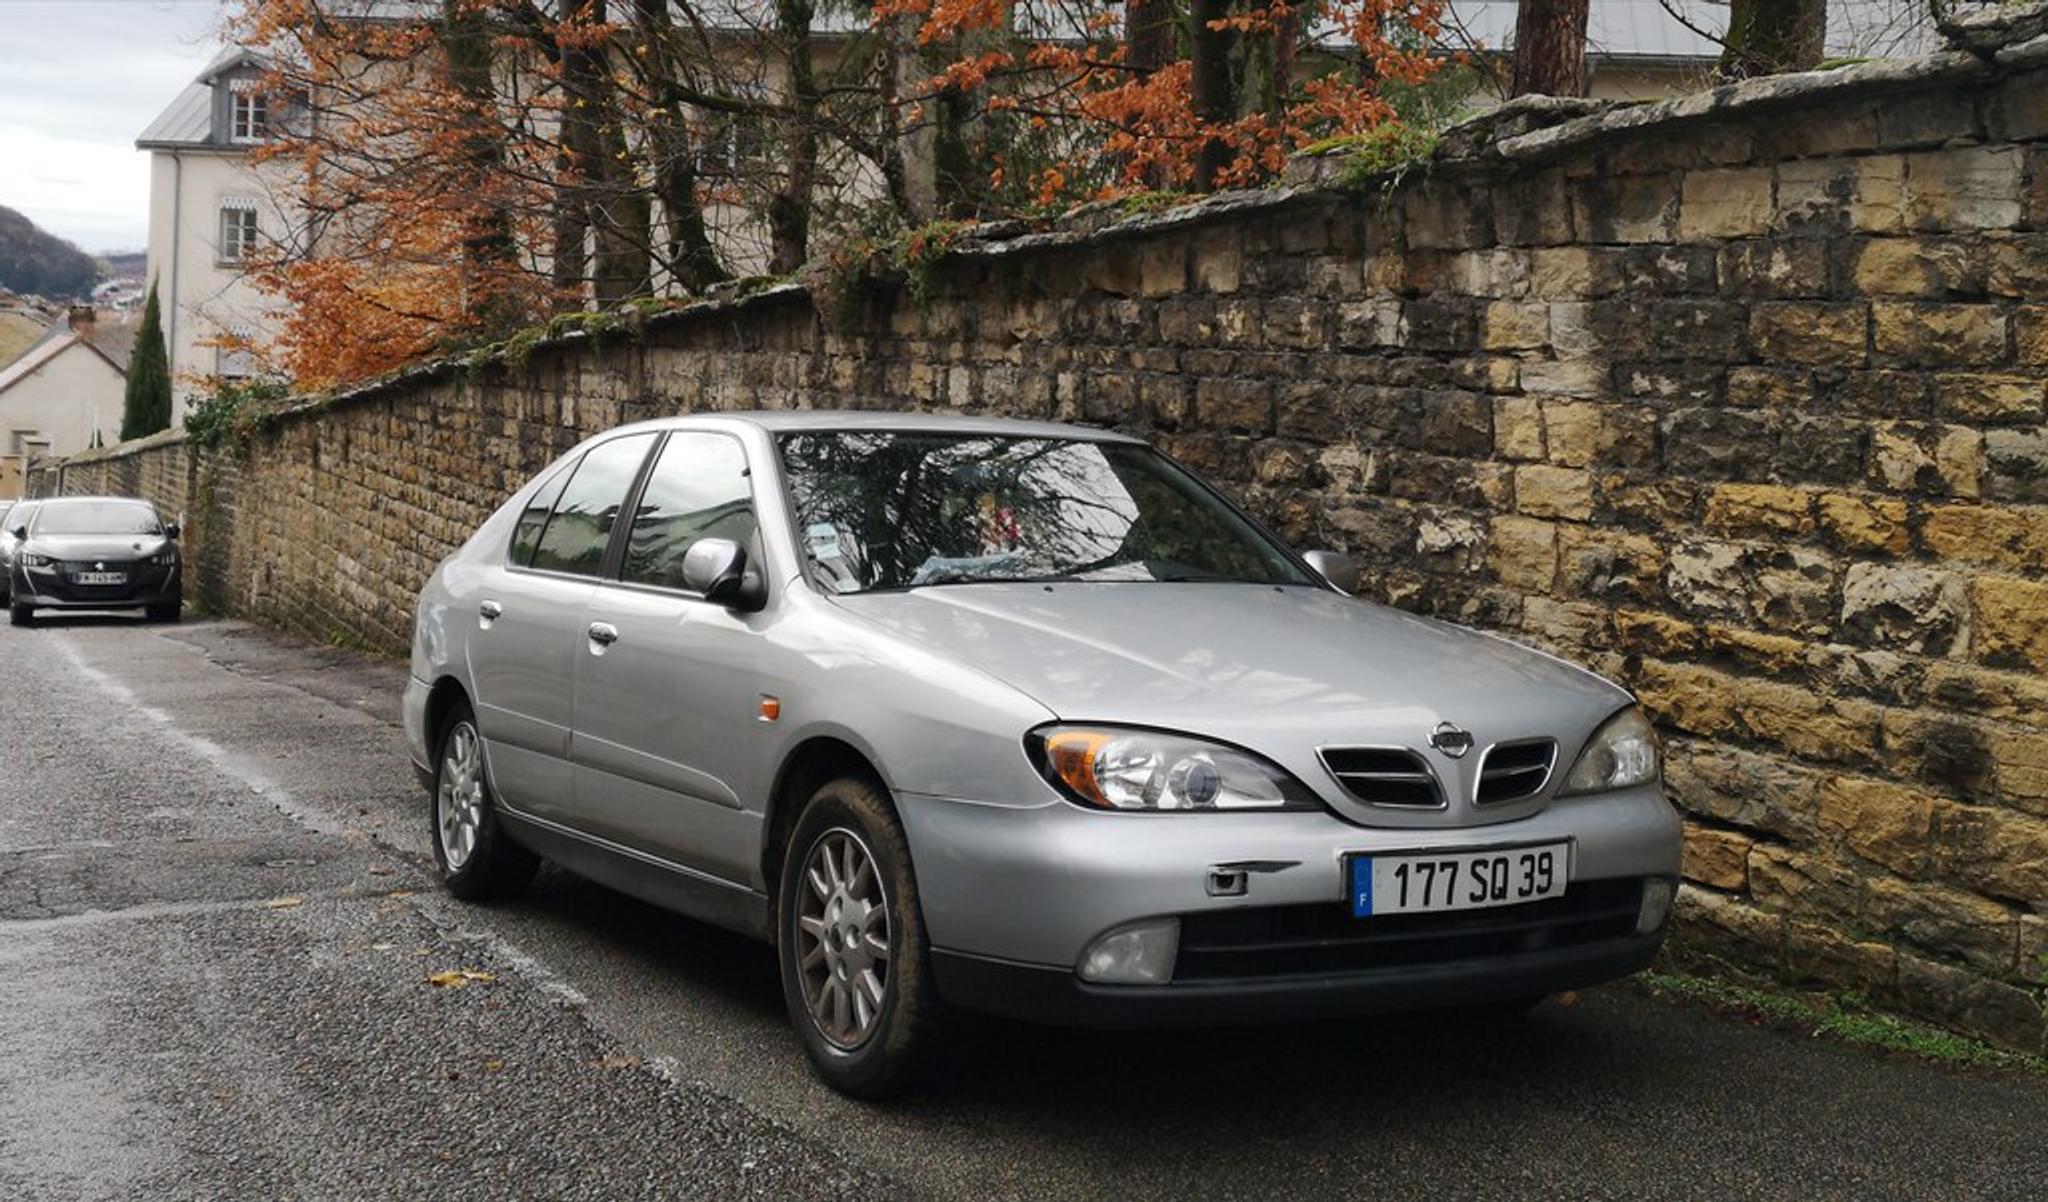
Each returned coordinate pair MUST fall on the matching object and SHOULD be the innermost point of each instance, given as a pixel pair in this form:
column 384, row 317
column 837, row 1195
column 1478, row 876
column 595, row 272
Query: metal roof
column 188, row 121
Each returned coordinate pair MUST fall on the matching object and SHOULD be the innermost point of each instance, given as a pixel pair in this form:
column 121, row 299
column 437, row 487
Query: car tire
column 847, row 859
column 477, row 860
column 165, row 613
column 21, row 615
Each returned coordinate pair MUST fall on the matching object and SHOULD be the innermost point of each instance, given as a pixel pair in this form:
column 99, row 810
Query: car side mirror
column 18, row 534
column 1336, row 567
column 172, row 530
column 717, row 568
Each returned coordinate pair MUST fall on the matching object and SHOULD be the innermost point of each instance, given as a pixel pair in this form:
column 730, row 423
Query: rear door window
column 699, row 489
column 534, row 517
column 577, row 532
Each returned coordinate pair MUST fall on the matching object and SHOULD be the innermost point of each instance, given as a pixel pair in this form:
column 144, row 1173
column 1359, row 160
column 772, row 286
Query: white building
column 209, row 208
column 1651, row 49
column 63, row 394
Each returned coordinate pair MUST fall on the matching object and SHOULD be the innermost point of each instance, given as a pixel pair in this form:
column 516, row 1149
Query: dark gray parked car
column 1018, row 718
column 93, row 553
column 16, row 514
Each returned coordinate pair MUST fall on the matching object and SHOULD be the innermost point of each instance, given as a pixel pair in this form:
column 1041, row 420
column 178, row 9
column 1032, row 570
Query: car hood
column 96, row 546
column 1283, row 671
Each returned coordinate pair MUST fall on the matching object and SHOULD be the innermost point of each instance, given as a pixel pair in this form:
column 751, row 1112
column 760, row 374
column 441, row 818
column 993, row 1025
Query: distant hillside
column 41, row 264
column 125, row 264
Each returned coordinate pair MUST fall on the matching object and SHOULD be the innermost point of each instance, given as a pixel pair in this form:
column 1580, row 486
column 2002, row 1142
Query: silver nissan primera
column 1018, row 718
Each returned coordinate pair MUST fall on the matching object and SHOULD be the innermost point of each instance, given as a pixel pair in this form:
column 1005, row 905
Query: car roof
column 789, row 421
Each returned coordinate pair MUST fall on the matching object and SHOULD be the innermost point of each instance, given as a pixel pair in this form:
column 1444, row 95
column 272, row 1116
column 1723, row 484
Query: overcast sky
column 78, row 80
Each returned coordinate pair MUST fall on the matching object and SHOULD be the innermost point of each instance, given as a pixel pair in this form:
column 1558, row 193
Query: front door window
column 698, row 489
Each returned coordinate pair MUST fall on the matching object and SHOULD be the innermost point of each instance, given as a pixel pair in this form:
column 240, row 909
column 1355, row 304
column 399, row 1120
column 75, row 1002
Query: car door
column 668, row 695
column 530, row 618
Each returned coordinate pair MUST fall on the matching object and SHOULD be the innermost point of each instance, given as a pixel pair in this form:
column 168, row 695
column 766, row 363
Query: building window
column 248, row 115
column 735, row 144
column 234, row 356
column 237, row 229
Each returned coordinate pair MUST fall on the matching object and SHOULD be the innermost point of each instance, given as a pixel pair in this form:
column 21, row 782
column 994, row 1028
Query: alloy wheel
column 459, row 801
column 842, row 933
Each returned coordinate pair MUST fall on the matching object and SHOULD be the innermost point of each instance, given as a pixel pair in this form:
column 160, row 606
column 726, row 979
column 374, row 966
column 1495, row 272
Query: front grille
column 1310, row 940
column 142, row 577
column 1384, row 776
column 1512, row 771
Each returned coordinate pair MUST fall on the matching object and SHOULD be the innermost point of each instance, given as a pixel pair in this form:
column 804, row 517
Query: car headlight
column 1621, row 754
column 29, row 559
column 1108, row 768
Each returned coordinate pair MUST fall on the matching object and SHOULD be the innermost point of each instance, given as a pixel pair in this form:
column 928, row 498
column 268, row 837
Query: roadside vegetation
column 1846, row 1018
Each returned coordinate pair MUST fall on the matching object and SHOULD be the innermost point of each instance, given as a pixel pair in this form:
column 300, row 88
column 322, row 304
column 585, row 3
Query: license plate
column 1435, row 882
column 101, row 578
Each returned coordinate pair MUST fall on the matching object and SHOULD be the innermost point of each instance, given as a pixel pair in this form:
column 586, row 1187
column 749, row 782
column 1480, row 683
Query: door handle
column 490, row 610
column 604, row 634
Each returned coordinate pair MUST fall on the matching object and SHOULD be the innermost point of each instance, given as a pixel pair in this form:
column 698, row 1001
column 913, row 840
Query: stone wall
column 1739, row 399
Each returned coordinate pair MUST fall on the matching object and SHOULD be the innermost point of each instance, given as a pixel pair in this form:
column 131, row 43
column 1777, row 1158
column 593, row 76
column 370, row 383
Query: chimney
column 82, row 320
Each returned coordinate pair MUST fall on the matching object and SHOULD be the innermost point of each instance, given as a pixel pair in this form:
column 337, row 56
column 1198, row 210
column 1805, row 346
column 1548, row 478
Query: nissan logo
column 1451, row 739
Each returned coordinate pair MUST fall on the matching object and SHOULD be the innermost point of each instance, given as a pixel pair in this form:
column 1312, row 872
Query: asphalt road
column 217, row 928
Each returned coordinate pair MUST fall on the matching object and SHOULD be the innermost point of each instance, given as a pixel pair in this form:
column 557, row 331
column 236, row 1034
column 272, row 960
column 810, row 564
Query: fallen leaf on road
column 459, row 978
column 619, row 1062
column 399, row 893
column 494, row 1066
column 379, row 870
column 283, row 903
column 1568, row 998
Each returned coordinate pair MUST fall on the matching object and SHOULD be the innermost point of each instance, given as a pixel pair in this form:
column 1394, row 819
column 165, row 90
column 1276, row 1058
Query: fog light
column 1656, row 905
column 1138, row 954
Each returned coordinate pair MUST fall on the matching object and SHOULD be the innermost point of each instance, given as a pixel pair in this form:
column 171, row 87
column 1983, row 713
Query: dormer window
column 248, row 115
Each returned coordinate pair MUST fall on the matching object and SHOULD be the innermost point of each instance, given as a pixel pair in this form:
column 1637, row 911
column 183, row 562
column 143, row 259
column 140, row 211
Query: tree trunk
column 789, row 210
column 467, row 39
column 623, row 216
column 603, row 218
column 959, row 173
column 1550, row 48
column 1215, row 99
column 1286, row 42
column 686, row 248
column 1768, row 37
column 1152, row 44
column 489, row 251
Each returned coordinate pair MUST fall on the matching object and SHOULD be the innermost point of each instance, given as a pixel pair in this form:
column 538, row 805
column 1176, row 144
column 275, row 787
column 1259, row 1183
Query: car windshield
column 97, row 517
column 892, row 510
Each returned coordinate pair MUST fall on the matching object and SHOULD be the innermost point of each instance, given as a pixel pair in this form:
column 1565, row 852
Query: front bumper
column 1013, row 896
column 147, row 585
column 1034, row 993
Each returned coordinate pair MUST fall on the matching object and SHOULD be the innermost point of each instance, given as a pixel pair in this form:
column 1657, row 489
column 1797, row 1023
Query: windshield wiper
column 982, row 578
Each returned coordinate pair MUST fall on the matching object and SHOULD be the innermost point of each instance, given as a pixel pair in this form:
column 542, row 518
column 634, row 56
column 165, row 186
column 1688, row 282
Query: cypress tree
column 146, row 405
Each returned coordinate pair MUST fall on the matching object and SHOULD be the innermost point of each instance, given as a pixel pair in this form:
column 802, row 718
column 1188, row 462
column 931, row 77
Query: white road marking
column 432, row 908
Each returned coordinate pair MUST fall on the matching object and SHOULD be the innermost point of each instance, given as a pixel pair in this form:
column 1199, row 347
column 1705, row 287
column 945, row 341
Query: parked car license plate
column 1432, row 882
column 101, row 578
